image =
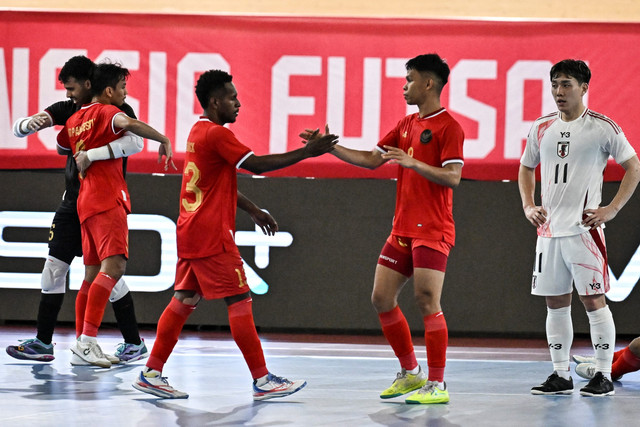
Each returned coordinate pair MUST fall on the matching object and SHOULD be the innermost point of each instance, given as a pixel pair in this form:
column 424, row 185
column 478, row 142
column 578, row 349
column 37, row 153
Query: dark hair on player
column 210, row 82
column 430, row 63
column 107, row 74
column 573, row 68
column 79, row 67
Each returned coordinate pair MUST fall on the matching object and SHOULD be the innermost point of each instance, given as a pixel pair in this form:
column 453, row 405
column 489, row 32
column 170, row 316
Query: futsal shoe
column 127, row 353
column 153, row 382
column 588, row 370
column 429, row 393
column 404, row 383
column 555, row 384
column 276, row 387
column 583, row 359
column 598, row 386
column 91, row 353
column 31, row 349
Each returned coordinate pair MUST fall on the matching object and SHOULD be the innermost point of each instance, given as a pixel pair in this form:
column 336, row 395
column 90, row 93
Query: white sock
column 560, row 337
column 86, row 339
column 262, row 380
column 603, row 338
column 414, row 371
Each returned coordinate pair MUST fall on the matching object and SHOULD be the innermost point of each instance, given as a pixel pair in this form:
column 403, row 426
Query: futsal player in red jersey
column 103, row 199
column 427, row 147
column 209, row 263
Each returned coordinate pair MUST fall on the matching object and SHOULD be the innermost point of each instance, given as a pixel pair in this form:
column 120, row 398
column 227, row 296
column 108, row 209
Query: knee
column 54, row 276
column 381, row 302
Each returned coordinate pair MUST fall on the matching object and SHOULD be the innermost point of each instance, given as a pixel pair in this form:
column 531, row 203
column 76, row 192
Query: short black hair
column 573, row 68
column 107, row 74
column 431, row 63
column 79, row 67
column 210, row 82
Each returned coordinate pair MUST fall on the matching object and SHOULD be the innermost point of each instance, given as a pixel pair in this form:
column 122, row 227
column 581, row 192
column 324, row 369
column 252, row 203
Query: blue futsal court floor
column 488, row 380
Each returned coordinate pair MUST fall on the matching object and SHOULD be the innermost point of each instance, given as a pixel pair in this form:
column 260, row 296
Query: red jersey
column 424, row 209
column 103, row 188
column 209, row 192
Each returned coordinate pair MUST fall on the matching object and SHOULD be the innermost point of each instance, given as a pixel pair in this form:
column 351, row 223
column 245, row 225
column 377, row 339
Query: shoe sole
column 589, row 394
column 551, row 393
column 134, row 359
column 154, row 391
column 33, row 358
column 278, row 394
column 390, row 396
column 414, row 402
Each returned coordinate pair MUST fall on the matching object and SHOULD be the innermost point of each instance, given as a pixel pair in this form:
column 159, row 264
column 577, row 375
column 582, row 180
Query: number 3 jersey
column 572, row 157
column 209, row 191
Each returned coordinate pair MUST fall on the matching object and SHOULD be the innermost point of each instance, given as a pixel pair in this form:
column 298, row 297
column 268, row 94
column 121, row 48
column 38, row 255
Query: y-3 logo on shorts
column 595, row 286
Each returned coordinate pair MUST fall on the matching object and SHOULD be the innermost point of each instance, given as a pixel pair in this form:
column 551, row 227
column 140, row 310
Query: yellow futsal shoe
column 430, row 393
column 405, row 383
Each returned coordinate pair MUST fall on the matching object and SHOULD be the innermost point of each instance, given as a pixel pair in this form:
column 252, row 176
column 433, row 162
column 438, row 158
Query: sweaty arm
column 25, row 126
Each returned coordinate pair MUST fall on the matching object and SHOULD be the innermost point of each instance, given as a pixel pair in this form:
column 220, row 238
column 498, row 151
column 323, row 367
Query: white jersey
column 572, row 156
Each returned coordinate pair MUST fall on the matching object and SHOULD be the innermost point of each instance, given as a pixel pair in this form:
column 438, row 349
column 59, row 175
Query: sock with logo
column 436, row 337
column 170, row 325
column 96, row 302
column 559, row 327
column 81, row 306
column 603, row 337
column 396, row 330
column 243, row 331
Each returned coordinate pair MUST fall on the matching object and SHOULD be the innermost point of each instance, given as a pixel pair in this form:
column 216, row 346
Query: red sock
column 626, row 362
column 618, row 353
column 81, row 306
column 96, row 302
column 243, row 331
column 396, row 330
column 436, row 336
column 170, row 325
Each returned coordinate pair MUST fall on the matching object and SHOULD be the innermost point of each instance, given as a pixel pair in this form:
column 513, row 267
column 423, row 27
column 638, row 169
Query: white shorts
column 580, row 260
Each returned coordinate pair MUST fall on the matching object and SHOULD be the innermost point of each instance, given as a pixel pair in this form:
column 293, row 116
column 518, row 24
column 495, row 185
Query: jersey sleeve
column 452, row 150
column 63, row 139
column 620, row 148
column 61, row 111
column 390, row 139
column 227, row 145
column 531, row 156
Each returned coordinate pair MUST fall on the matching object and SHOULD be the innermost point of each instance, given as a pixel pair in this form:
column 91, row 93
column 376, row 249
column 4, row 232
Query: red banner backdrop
column 296, row 72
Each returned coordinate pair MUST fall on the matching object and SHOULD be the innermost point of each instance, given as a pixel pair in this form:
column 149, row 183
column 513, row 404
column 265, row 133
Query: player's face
column 228, row 106
column 415, row 89
column 568, row 93
column 78, row 91
column 119, row 93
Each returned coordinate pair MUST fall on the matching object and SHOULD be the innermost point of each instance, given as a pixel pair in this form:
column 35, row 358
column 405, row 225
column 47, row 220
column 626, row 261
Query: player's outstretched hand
column 83, row 162
column 36, row 122
column 265, row 221
column 317, row 143
column 165, row 150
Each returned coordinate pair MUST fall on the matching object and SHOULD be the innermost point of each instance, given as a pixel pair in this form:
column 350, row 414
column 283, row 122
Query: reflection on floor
column 489, row 383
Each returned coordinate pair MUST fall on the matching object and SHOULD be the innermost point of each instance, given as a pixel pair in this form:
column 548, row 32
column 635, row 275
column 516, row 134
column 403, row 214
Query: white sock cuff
column 559, row 312
column 600, row 315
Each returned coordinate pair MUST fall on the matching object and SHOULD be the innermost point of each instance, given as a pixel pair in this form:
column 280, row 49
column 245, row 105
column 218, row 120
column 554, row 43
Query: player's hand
column 594, row 218
column 265, row 221
column 165, row 150
column 536, row 215
column 36, row 122
column 398, row 156
column 83, row 162
column 317, row 143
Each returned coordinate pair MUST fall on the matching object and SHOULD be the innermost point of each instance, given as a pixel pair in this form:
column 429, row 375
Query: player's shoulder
column 602, row 121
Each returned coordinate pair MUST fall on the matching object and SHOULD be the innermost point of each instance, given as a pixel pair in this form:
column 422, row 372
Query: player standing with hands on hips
column 572, row 147
column 427, row 147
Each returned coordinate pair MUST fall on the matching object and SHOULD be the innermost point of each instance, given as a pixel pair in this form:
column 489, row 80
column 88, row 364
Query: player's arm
column 366, row 159
column 25, row 126
column 317, row 145
column 144, row 130
column 263, row 219
column 596, row 217
column 527, row 186
column 448, row 175
column 125, row 146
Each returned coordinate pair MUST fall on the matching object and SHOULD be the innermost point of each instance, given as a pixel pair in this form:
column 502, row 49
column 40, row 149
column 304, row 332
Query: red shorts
column 218, row 276
column 403, row 254
column 105, row 234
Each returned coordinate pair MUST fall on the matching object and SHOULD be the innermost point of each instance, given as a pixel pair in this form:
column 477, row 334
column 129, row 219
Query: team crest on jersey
column 563, row 149
column 426, row 136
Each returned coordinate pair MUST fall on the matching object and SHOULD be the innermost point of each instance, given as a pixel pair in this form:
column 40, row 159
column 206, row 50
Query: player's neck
column 569, row 116
column 429, row 107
